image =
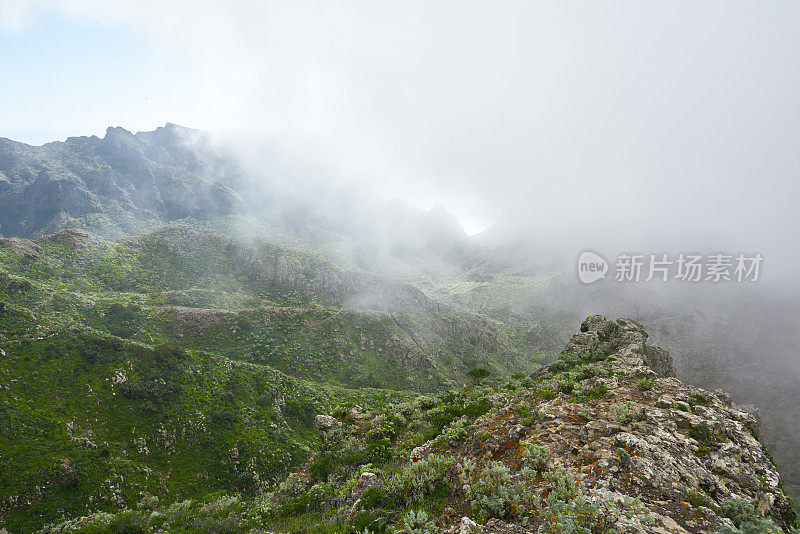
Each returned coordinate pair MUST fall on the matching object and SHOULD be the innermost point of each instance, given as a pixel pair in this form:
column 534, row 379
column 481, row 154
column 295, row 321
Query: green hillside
column 178, row 364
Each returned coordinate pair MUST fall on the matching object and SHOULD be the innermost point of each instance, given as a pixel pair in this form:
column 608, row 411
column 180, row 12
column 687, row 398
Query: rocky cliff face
column 687, row 455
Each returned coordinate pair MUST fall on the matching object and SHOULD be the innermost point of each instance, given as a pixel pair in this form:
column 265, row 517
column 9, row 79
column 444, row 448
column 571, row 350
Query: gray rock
column 468, row 526
column 326, row 423
column 660, row 361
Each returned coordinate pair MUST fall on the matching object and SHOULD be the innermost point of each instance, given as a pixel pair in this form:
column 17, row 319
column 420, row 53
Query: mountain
column 126, row 180
column 603, row 440
column 128, row 183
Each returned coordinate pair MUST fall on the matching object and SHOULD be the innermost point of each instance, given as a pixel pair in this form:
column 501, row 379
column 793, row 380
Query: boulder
column 326, row 423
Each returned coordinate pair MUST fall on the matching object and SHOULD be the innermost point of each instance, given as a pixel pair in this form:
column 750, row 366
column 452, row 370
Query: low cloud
column 659, row 125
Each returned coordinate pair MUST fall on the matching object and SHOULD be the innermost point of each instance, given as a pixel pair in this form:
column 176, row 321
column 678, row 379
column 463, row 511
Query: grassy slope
column 179, row 363
column 175, row 424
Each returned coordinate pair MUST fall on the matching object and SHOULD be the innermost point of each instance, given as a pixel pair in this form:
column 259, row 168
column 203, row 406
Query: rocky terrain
column 652, row 454
column 647, row 453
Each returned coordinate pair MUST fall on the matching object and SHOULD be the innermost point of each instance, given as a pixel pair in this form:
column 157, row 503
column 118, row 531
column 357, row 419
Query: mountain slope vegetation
column 178, row 364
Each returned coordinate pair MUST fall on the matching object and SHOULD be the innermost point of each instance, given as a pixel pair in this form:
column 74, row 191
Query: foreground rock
column 684, row 453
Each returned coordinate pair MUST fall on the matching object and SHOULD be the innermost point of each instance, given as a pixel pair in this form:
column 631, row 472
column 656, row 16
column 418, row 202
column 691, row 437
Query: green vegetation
column 645, row 384
column 478, row 374
column 179, row 364
column 622, row 413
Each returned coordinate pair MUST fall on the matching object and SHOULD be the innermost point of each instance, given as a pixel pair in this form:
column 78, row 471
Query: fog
column 648, row 126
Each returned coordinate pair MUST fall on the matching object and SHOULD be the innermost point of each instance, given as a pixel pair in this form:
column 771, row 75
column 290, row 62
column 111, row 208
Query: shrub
column 738, row 510
column 536, row 457
column 702, row 434
column 478, row 374
column 72, row 479
column 379, row 450
column 546, row 393
column 597, row 391
column 587, row 371
column 456, row 432
column 323, row 466
column 477, row 408
column 369, row 522
column 574, row 516
column 697, row 497
column 527, row 383
column 624, row 457
column 492, row 493
column 645, row 384
column 293, row 507
column 533, row 418
column 127, row 523
column 696, row 398
column 566, row 386
column 427, row 477
column 565, row 510
column 418, row 523
column 377, row 497
column 622, row 413
column 564, row 484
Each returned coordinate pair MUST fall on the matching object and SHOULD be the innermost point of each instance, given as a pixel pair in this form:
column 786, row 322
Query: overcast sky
column 674, row 122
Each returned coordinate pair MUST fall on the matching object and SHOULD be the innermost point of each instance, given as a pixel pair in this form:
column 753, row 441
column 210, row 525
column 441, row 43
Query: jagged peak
column 627, row 339
column 117, row 131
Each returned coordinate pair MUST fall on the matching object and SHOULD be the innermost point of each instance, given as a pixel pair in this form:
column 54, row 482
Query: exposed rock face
column 72, row 237
column 625, row 336
column 170, row 173
column 25, row 248
column 659, row 361
column 682, row 451
column 326, row 423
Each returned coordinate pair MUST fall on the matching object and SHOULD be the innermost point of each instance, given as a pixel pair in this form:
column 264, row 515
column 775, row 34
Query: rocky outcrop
column 74, row 238
column 659, row 361
column 625, row 337
column 23, row 247
column 326, row 423
column 682, row 452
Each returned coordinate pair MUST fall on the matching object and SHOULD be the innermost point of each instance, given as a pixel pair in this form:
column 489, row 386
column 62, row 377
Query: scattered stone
column 419, row 453
column 468, row 526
